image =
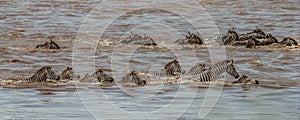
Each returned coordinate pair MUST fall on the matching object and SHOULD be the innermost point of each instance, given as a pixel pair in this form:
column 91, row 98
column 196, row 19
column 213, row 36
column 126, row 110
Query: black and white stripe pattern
column 171, row 68
column 43, row 74
column 102, row 76
column 133, row 77
column 194, row 39
column 69, row 74
column 216, row 70
column 196, row 69
column 99, row 75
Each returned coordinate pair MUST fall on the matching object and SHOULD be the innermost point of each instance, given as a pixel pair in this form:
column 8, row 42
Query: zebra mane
column 38, row 75
column 42, row 69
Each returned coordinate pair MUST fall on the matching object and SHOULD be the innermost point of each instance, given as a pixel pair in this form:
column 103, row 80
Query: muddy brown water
column 25, row 24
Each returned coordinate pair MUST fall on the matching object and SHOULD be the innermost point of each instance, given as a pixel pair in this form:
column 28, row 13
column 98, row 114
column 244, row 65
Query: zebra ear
column 231, row 61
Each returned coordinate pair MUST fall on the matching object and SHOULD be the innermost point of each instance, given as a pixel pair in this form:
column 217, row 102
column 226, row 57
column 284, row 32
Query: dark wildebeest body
column 230, row 37
column 190, row 39
column 136, row 39
column 49, row 45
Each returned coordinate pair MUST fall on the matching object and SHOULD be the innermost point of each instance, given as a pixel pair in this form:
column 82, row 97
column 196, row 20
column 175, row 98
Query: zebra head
column 133, row 77
column 231, row 69
column 68, row 73
column 50, row 73
column 197, row 69
column 201, row 66
column 173, row 67
column 100, row 75
column 193, row 39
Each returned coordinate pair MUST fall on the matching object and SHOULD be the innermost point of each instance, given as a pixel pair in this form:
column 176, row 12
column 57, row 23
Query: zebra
column 69, row 74
column 102, row 76
column 86, row 78
column 43, row 74
column 194, row 39
column 171, row 68
column 196, row 69
column 48, row 45
column 216, row 70
column 133, row 77
column 131, row 38
column 148, row 41
column 245, row 80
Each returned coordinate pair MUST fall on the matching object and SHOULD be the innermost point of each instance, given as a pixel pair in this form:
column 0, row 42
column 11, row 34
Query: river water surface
column 77, row 26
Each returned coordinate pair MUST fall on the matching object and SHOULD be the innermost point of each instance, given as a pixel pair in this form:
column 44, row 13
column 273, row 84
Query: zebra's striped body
column 68, row 74
column 216, row 70
column 86, row 78
column 171, row 68
column 193, row 39
column 102, row 76
column 133, row 77
column 197, row 69
column 43, row 74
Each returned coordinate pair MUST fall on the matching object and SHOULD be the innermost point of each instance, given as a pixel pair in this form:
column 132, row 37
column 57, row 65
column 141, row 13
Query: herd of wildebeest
column 199, row 72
